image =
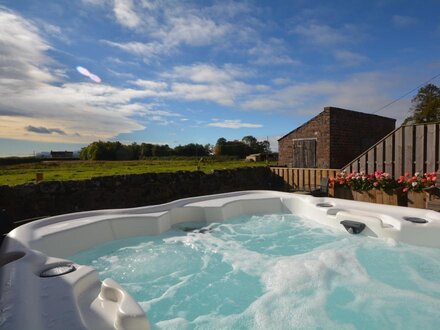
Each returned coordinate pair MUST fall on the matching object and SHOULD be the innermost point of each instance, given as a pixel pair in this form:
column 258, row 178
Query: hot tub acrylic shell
column 79, row 300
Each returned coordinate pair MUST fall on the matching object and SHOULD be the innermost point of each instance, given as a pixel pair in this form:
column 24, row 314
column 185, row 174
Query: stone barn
column 332, row 139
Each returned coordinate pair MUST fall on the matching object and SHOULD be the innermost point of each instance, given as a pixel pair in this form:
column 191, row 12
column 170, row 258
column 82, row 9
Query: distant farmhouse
column 332, row 139
column 61, row 154
column 58, row 154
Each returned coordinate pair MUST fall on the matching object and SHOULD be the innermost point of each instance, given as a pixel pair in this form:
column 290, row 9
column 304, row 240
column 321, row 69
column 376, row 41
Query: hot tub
column 42, row 289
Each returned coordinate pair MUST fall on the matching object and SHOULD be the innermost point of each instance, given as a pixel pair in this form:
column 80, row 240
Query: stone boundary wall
column 50, row 198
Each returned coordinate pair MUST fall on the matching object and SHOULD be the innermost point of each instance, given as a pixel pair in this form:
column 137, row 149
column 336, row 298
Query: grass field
column 80, row 170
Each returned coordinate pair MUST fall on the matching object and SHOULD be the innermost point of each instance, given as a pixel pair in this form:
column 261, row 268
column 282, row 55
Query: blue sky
column 177, row 72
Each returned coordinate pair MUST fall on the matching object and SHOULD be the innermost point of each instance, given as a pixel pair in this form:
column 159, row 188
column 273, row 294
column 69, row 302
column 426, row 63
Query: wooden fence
column 413, row 148
column 303, row 179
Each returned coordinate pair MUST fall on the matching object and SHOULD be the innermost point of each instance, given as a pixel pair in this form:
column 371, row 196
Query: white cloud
column 172, row 25
column 202, row 73
column 207, row 82
column 349, row 58
column 150, row 85
column 281, row 81
column 271, row 52
column 219, row 94
column 53, row 31
column 168, row 25
column 192, row 30
column 22, row 53
column 362, row 92
column 206, row 73
column 400, row 21
column 148, row 51
column 125, row 13
column 263, row 103
column 95, row 2
column 322, row 34
column 29, row 97
column 233, row 123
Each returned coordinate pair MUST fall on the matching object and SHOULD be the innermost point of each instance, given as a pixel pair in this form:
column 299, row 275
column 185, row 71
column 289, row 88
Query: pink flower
column 405, row 189
column 375, row 184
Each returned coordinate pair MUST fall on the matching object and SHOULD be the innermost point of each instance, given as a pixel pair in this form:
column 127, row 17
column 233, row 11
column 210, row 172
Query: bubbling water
column 273, row 272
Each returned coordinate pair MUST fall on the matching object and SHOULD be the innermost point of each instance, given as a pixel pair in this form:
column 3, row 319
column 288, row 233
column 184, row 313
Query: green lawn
column 79, row 170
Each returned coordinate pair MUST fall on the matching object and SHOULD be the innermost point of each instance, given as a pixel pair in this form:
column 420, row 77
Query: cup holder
column 58, row 270
column 324, row 205
column 415, row 219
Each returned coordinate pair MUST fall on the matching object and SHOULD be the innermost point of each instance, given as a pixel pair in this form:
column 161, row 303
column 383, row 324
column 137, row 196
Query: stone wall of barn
column 352, row 132
column 317, row 128
column 341, row 135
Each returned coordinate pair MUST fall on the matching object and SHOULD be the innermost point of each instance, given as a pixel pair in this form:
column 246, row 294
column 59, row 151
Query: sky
column 178, row 72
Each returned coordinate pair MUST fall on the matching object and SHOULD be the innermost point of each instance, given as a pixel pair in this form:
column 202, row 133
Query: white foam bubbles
column 272, row 272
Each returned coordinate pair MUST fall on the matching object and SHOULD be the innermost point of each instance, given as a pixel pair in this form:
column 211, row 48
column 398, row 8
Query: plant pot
column 365, row 196
column 341, row 192
column 418, row 199
column 391, row 197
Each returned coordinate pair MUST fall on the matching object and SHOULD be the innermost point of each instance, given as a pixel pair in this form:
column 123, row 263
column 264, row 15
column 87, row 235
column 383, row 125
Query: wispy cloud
column 320, row 34
column 349, row 58
column 33, row 95
column 220, row 94
column 125, row 13
column 326, row 35
column 363, row 92
column 281, row 81
column 271, row 52
column 400, row 21
column 169, row 26
column 192, row 30
column 233, row 123
column 208, row 83
column 150, row 85
column 147, row 51
column 207, row 73
column 44, row 130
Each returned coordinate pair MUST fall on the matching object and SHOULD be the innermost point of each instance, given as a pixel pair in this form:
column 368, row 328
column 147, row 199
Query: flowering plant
column 384, row 181
column 356, row 181
column 360, row 181
column 418, row 181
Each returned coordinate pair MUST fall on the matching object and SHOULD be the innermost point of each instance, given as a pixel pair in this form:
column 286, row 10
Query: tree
column 192, row 149
column 146, row 150
column 248, row 145
column 218, row 148
column 426, row 106
column 250, row 140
